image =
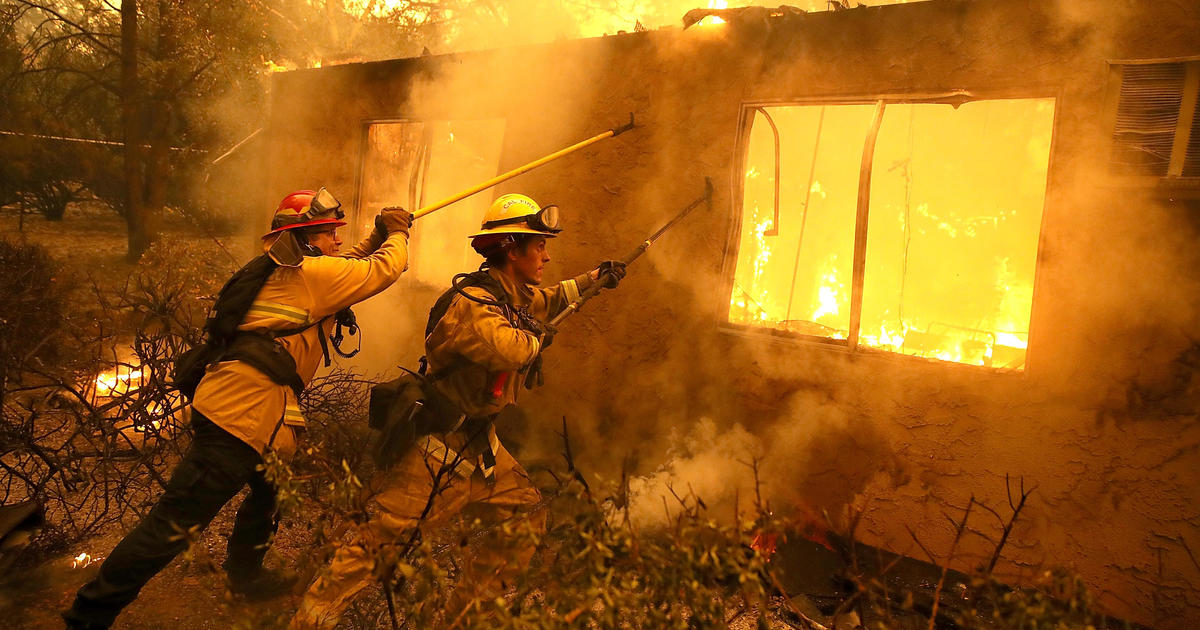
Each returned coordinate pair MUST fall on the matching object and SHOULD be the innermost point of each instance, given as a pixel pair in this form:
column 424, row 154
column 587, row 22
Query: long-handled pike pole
column 591, row 292
column 615, row 131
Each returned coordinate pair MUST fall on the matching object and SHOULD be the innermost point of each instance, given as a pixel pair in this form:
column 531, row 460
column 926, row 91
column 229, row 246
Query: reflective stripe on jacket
column 246, row 403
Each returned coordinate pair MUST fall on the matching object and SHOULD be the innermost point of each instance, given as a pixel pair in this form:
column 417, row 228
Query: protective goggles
column 321, row 206
column 544, row 220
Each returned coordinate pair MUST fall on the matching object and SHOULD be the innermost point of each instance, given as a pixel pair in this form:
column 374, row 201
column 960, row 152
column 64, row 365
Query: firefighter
column 239, row 413
column 483, row 336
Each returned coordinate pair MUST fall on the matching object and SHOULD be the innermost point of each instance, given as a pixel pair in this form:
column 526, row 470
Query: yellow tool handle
column 521, row 169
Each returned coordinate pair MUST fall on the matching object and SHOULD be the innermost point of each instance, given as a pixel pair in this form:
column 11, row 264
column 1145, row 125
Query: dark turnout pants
column 215, row 468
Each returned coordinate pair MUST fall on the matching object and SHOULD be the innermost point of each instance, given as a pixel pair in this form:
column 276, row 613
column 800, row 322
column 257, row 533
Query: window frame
column 1173, row 182
column 850, row 345
column 364, row 146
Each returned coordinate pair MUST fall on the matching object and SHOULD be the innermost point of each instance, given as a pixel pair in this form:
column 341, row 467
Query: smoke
column 649, row 376
column 709, row 465
column 818, row 460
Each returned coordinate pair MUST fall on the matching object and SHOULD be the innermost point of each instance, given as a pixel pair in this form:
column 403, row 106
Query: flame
column 383, row 8
column 828, row 302
column 84, row 560
column 713, row 20
column 753, row 304
column 118, row 382
column 952, row 231
column 816, row 189
column 288, row 66
column 274, row 67
column 1010, row 340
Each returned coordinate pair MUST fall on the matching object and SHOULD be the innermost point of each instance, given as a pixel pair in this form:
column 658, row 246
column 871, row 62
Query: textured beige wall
column 1103, row 422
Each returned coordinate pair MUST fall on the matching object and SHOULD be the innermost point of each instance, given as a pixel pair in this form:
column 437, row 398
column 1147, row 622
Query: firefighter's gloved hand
column 393, row 219
column 547, row 336
column 610, row 273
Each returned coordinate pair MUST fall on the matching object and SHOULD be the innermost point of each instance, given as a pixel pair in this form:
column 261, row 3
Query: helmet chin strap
column 310, row 250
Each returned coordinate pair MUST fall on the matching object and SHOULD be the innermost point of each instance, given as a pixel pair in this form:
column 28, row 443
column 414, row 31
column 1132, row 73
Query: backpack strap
column 458, row 284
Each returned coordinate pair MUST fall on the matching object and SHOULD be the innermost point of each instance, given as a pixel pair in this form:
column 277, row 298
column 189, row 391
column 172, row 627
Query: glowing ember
column 765, row 544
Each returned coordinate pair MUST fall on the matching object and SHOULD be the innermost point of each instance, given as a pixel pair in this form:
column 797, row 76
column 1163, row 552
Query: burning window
column 413, row 164
column 947, row 229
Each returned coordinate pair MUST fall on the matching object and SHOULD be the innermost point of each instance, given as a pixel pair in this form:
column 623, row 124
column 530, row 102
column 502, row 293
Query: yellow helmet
column 518, row 214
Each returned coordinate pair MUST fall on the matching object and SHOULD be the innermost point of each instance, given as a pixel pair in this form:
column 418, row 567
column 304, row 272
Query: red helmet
column 305, row 208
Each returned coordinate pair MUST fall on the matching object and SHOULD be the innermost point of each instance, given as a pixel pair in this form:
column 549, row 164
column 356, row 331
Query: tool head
column 616, row 131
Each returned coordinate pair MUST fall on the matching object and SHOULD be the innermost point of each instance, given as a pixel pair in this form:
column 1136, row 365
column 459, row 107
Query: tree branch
column 94, row 37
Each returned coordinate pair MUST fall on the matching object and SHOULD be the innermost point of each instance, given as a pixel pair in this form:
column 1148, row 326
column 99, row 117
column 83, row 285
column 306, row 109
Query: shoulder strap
column 460, row 282
column 235, row 298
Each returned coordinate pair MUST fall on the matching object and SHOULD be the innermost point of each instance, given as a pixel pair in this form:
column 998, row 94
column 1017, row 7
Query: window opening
column 411, row 163
column 812, row 170
column 818, row 181
column 905, row 227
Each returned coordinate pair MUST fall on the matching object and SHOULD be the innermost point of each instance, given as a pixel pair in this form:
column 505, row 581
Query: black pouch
column 268, row 356
column 405, row 409
column 391, row 399
column 189, row 368
column 395, row 411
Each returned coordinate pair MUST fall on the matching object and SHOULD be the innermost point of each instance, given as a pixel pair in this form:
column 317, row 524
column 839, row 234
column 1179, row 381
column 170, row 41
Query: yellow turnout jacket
column 246, row 403
column 477, row 342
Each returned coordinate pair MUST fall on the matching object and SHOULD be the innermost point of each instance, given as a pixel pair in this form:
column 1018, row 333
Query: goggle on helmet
column 319, row 208
column 544, row 220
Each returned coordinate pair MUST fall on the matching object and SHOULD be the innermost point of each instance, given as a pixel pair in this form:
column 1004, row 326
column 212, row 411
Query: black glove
column 547, row 335
column 611, row 272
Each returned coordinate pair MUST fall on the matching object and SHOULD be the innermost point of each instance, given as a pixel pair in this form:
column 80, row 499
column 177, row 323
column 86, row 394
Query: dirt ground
column 186, row 595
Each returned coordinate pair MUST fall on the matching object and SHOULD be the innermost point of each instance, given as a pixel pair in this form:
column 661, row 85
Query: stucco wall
column 1103, row 422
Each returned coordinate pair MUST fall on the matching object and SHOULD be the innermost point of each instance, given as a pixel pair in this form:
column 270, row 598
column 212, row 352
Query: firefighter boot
column 262, row 584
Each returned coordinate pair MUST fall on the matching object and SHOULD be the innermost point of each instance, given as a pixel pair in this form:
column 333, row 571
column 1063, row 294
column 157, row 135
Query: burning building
column 951, row 241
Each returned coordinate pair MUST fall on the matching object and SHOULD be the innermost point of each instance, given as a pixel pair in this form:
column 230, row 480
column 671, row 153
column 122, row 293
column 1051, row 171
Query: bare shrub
column 90, row 424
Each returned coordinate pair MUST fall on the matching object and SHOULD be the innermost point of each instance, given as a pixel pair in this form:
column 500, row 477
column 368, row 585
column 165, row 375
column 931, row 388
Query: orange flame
column 84, row 560
column 121, row 380
column 955, row 212
column 765, row 543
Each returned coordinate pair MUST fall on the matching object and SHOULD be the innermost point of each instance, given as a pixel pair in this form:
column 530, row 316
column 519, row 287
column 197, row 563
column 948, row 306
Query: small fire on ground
column 84, row 560
column 121, row 380
column 138, row 415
